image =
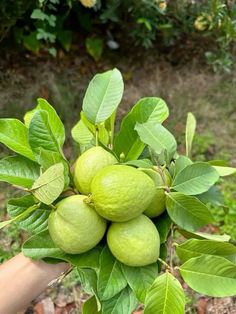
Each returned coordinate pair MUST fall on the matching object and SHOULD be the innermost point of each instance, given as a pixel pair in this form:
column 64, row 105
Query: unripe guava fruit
column 121, row 193
column 74, row 226
column 88, row 164
column 158, row 203
column 135, row 242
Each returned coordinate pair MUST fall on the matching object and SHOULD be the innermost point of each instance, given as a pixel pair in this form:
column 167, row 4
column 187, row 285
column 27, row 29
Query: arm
column 23, row 279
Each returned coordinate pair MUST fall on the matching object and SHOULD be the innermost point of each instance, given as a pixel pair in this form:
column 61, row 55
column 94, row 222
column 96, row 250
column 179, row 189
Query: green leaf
column 47, row 159
column 195, row 179
column 90, row 306
column 181, row 163
column 189, row 133
column 195, row 248
column 28, row 116
column 123, row 303
column 224, row 171
column 81, row 134
column 33, row 222
column 166, row 296
column 55, row 122
column 19, row 217
column 110, row 276
column 146, row 109
column 187, row 211
column 19, row 171
column 88, row 280
column 163, row 224
column 65, row 39
column 41, row 246
column 157, row 137
column 212, row 196
column 50, row 184
column 103, row 96
column 213, row 276
column 204, row 235
column 94, row 47
column 14, row 135
column 41, row 134
column 140, row 279
column 140, row 163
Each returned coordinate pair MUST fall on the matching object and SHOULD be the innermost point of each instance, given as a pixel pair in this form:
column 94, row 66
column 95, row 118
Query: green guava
column 121, row 193
column 88, row 164
column 74, row 226
column 135, row 242
column 158, row 203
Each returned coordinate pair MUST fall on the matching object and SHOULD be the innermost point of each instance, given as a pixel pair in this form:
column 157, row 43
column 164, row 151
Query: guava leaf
column 41, row 246
column 195, row 248
column 55, row 122
column 224, row 171
column 187, row 211
column 213, row 276
column 140, row 163
column 81, row 133
column 163, row 224
column 41, row 134
column 189, row 132
column 90, row 306
column 140, row 278
column 103, row 96
column 14, row 135
column 213, row 196
column 47, row 159
column 180, row 163
column 50, row 184
column 19, row 171
column 127, row 140
column 110, row 276
column 165, row 296
column 195, row 179
column 122, row 303
column 204, row 235
column 157, row 137
column 33, row 222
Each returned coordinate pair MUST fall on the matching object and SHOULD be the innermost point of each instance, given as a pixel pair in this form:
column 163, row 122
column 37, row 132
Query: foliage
column 48, row 24
column 115, row 287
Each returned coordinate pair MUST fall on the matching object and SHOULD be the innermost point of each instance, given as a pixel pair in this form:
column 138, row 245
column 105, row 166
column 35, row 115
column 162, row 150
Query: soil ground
column 186, row 85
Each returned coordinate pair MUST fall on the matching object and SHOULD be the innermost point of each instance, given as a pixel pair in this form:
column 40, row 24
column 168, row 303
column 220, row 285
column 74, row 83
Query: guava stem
column 164, row 263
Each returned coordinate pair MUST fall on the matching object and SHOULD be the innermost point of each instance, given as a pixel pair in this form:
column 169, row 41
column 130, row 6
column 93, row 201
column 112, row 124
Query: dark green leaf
column 110, row 276
column 94, row 47
column 213, row 196
column 140, row 278
column 33, row 222
column 123, row 303
column 140, row 163
column 187, row 211
column 19, row 171
column 181, row 163
column 90, row 306
column 163, row 224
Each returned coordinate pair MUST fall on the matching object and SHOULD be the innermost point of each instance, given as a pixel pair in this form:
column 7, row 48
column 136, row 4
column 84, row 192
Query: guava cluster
column 115, row 202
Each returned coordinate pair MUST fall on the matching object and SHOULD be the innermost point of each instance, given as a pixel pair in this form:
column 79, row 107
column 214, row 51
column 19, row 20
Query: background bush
column 48, row 24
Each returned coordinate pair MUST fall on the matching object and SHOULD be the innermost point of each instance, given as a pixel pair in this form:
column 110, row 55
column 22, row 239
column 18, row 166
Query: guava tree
column 172, row 195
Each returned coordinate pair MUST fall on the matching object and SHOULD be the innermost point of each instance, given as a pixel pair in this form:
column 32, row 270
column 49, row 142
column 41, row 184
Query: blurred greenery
column 45, row 25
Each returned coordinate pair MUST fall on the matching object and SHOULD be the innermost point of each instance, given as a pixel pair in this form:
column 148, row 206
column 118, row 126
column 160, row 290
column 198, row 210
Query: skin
column 23, row 279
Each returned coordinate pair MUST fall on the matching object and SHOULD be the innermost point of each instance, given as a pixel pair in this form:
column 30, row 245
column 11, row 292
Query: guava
column 120, row 192
column 88, row 164
column 74, row 226
column 158, row 203
column 135, row 242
